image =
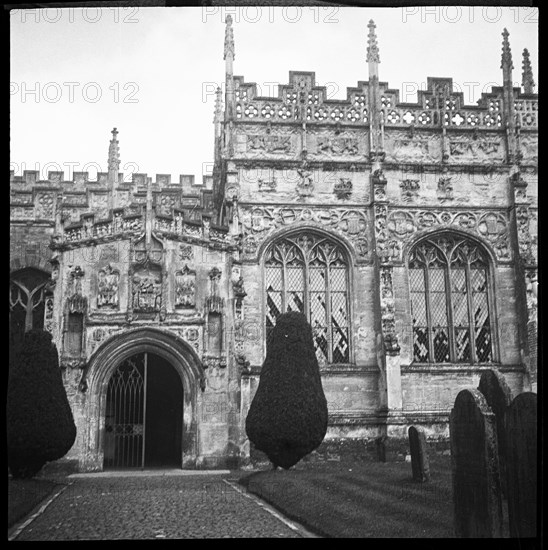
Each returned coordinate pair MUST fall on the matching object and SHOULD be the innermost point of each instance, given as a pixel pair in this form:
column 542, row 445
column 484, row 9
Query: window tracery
column 450, row 293
column 309, row 274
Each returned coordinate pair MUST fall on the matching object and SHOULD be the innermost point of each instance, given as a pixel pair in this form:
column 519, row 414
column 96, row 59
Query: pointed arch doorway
column 144, row 414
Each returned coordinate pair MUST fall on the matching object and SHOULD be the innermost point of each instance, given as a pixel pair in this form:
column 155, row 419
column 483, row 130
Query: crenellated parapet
column 301, row 100
column 35, row 199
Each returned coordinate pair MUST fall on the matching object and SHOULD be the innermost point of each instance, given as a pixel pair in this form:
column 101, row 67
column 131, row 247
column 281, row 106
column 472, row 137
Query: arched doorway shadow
column 144, row 414
column 178, row 359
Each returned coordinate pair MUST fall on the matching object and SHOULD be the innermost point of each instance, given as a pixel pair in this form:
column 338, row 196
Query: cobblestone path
column 154, row 507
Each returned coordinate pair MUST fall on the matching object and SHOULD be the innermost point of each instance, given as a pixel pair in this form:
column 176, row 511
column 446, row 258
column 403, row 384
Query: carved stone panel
column 147, row 289
column 483, row 150
column 403, row 146
column 185, row 288
column 529, row 148
column 335, row 145
column 107, row 287
column 45, row 205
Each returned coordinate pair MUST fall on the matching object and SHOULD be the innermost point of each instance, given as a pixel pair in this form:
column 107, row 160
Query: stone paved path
column 155, row 507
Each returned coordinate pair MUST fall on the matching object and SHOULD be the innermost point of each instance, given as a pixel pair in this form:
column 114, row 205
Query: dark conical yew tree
column 288, row 415
column 40, row 426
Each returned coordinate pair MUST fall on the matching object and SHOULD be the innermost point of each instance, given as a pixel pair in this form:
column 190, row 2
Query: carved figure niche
column 73, row 334
column 146, row 276
column 107, row 287
column 75, row 309
column 147, row 289
column 214, row 307
column 214, row 334
column 185, row 288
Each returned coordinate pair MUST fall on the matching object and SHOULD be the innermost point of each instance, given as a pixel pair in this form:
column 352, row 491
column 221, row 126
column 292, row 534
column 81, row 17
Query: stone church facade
column 406, row 233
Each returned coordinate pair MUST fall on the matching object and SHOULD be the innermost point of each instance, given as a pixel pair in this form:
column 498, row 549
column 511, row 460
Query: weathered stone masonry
column 327, row 206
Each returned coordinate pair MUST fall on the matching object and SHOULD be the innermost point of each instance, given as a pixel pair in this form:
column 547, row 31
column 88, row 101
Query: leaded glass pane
column 483, row 343
column 438, row 308
column 339, row 314
column 437, row 279
column 295, row 289
column 460, row 310
column 295, row 278
column 481, row 314
column 340, row 345
column 441, row 344
column 420, row 344
column 416, row 279
column 337, row 278
column 319, row 335
column 273, row 298
column 478, row 280
column 274, row 278
column 418, row 308
column 318, row 313
column 458, row 280
column 317, row 278
column 462, row 345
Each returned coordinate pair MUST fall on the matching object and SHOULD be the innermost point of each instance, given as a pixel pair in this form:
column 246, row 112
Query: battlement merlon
column 187, row 182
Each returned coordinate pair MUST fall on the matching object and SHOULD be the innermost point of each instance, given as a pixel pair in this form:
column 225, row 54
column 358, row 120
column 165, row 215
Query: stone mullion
column 306, row 289
column 329, row 326
column 451, row 332
column 430, row 326
column 284, row 285
column 471, row 323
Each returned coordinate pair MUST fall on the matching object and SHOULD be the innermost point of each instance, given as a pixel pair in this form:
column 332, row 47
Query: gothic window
column 27, row 297
column 450, row 293
column 308, row 273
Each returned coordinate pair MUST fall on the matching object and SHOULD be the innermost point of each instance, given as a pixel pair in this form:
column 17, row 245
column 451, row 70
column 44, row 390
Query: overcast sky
column 151, row 72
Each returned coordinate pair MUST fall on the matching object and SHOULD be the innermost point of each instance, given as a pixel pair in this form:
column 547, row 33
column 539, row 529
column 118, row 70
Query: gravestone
column 419, row 454
column 498, row 395
column 380, row 445
column 521, row 436
column 475, row 467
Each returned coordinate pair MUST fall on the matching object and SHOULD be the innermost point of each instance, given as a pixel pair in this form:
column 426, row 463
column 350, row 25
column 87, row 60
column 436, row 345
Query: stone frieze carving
column 330, row 146
column 529, row 147
column 403, row 146
column 271, row 144
column 481, row 149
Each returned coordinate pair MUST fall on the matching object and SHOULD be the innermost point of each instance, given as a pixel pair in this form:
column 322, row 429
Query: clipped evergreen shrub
column 287, row 418
column 40, row 426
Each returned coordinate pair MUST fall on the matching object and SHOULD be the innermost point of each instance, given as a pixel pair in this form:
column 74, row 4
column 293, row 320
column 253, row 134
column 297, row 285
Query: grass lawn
column 25, row 494
column 366, row 499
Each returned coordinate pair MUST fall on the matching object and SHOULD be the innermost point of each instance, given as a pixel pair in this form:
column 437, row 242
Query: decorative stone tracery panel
column 260, row 222
column 402, row 224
